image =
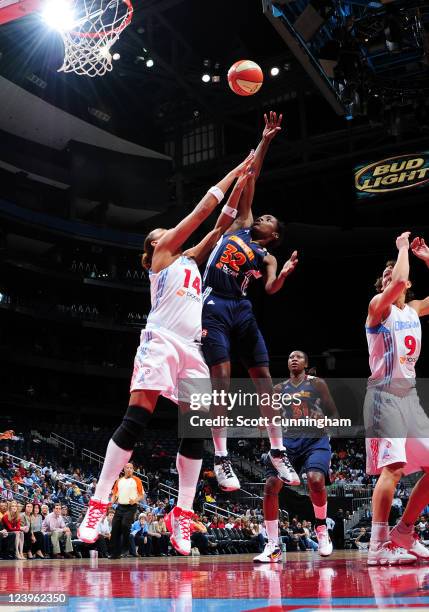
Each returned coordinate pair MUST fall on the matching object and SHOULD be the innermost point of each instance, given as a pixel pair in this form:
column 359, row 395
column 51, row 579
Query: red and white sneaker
column 389, row 554
column 325, row 544
column 88, row 529
column 178, row 523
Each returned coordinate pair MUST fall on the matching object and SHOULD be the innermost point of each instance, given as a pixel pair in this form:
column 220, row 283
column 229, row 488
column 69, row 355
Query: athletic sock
column 189, row 473
column 275, row 435
column 220, row 441
column 114, row 461
column 272, row 528
column 320, row 512
column 379, row 534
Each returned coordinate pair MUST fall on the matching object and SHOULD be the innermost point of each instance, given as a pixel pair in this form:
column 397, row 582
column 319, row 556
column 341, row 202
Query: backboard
column 15, row 9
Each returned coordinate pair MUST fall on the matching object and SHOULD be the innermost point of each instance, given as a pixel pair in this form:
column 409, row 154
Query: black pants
column 121, row 527
column 39, row 544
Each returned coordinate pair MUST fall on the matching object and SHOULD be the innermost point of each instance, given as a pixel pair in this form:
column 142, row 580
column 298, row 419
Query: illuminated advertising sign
column 392, row 175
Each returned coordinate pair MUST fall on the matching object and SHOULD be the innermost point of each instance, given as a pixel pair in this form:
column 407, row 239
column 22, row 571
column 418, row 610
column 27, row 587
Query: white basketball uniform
column 170, row 348
column 397, row 427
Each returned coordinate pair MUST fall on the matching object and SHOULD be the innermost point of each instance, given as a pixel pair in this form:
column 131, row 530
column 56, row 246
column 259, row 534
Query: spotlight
column 150, row 63
column 275, row 71
column 206, row 78
column 116, row 56
column 58, row 15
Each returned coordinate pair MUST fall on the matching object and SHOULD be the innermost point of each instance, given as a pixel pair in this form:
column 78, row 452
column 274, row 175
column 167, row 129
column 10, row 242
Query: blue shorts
column 231, row 320
column 306, row 455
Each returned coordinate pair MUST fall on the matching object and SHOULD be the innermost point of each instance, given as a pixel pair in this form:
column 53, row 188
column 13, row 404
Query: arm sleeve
column 139, row 484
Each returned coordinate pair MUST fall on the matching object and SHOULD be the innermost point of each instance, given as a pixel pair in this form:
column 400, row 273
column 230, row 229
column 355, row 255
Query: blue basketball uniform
column 309, row 453
column 227, row 313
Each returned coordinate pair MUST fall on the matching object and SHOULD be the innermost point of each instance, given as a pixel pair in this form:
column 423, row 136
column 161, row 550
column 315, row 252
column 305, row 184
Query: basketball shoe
column 88, row 529
column 325, row 544
column 280, row 461
column 226, row 478
column 410, row 542
column 271, row 554
column 389, row 554
column 178, row 523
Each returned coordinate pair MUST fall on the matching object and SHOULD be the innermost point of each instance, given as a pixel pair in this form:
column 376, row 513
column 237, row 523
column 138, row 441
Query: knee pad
column 132, row 427
column 192, row 448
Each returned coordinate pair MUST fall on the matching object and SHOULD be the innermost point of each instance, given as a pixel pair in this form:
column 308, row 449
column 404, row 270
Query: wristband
column 217, row 193
column 228, row 210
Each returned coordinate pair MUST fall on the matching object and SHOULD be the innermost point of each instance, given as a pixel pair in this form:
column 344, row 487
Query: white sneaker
column 418, row 549
column 281, row 463
column 410, row 542
column 271, row 554
column 225, row 476
column 178, row 523
column 88, row 529
column 389, row 554
column 325, row 544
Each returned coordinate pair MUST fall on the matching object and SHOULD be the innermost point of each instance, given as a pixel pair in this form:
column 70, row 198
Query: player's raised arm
column 272, row 128
column 173, row 240
column 393, row 283
column 274, row 283
column 201, row 251
column 420, row 249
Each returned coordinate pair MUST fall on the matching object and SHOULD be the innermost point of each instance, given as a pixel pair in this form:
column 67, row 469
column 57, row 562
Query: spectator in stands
column 25, row 518
column 165, row 536
column 305, row 536
column 252, row 532
column 199, row 538
column 139, row 532
column 7, row 540
column 104, row 533
column 12, row 524
column 44, row 511
column 65, row 514
column 362, row 540
column 7, row 493
column 37, row 541
column 229, row 523
column 55, row 526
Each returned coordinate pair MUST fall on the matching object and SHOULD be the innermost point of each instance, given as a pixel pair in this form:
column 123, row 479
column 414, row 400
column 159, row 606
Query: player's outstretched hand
column 247, row 163
column 290, row 265
column 272, row 126
column 403, row 240
column 420, row 249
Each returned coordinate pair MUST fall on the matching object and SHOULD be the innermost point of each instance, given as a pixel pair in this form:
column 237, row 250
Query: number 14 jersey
column 394, row 346
column 176, row 299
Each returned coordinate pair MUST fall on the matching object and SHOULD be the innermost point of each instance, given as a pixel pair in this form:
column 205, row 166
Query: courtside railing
column 68, row 445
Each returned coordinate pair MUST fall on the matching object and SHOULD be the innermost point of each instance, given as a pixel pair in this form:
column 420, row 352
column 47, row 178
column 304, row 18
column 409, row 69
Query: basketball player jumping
column 309, row 452
column 396, row 424
column 169, row 350
column 240, row 257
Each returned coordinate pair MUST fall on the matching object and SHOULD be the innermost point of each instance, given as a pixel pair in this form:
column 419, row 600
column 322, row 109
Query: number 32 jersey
column 233, row 263
column 176, row 299
column 394, row 346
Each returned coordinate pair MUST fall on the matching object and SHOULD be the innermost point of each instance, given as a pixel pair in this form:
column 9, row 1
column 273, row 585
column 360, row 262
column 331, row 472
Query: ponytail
column 148, row 250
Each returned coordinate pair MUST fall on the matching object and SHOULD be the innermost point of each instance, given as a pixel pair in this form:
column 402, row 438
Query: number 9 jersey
column 394, row 346
column 233, row 263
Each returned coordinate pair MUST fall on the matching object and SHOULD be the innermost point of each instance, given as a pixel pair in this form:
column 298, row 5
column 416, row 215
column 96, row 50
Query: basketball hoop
column 97, row 25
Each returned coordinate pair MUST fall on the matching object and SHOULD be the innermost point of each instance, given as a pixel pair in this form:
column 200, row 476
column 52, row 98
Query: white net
column 97, row 25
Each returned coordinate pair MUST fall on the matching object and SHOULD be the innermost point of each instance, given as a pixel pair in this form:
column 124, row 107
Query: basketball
column 245, row 78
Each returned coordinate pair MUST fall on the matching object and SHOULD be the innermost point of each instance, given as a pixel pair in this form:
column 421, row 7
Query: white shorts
column 167, row 363
column 397, row 432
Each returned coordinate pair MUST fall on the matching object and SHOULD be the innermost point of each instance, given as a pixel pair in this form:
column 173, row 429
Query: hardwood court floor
column 304, row 582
